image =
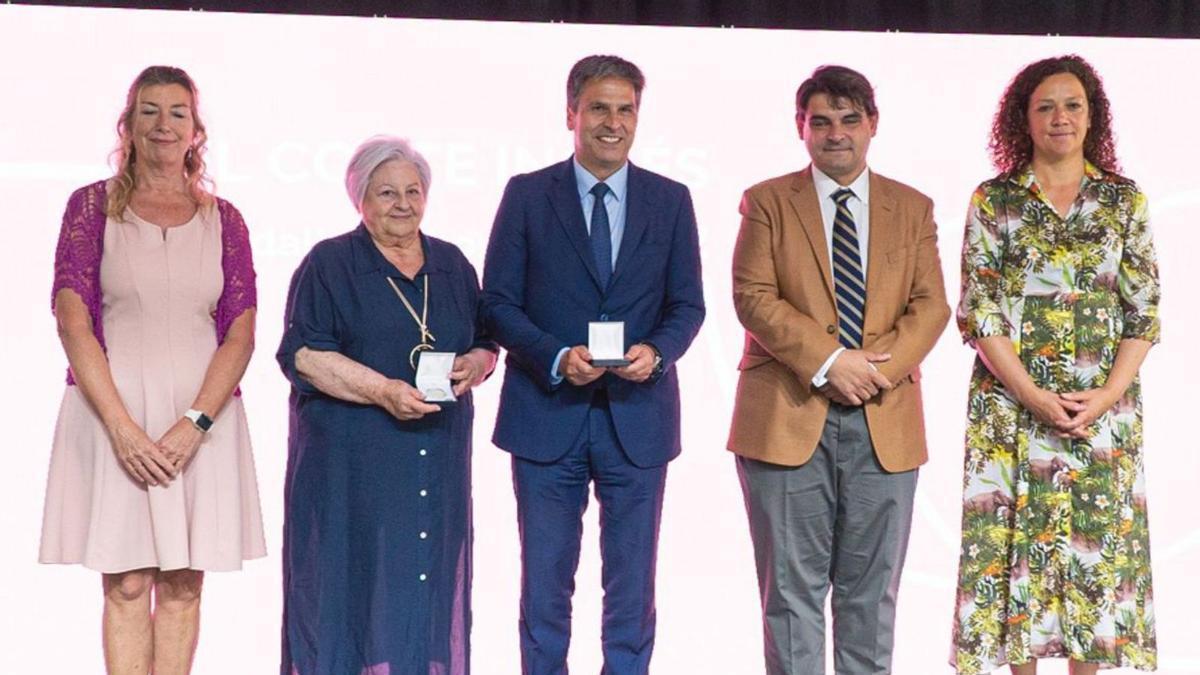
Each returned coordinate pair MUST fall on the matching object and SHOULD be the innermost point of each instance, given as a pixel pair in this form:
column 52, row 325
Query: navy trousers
column 551, row 499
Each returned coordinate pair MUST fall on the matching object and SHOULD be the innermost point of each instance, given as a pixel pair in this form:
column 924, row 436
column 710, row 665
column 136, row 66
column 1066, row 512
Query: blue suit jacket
column 540, row 290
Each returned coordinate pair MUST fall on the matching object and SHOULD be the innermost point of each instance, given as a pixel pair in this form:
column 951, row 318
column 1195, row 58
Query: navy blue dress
column 377, row 524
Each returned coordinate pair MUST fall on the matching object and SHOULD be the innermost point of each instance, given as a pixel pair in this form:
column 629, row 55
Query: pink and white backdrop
column 286, row 99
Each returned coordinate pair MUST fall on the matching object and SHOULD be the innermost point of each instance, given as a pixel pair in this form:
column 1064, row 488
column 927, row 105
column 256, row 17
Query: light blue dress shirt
column 614, row 203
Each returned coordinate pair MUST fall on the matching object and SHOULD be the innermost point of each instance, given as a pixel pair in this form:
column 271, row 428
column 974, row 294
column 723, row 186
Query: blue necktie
column 848, row 286
column 601, row 234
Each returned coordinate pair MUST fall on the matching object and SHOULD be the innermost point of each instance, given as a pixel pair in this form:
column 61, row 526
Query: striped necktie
column 848, row 286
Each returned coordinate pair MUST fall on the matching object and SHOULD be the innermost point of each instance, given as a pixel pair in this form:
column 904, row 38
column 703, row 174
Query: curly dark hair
column 1010, row 145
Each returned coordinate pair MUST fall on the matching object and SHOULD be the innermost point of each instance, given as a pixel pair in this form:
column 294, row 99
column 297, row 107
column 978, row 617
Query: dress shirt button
column 830, row 329
column 424, row 535
column 424, row 493
column 423, row 577
column 422, row 452
column 604, row 317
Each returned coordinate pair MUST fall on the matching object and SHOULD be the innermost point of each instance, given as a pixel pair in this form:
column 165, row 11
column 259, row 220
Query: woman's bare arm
column 136, row 451
column 227, row 366
column 341, row 377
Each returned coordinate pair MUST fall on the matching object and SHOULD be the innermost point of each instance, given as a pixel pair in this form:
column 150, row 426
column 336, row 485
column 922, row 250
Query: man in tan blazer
column 837, row 281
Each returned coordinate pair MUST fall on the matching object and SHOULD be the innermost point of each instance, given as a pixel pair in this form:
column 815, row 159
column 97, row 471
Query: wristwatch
column 200, row 420
column 658, row 361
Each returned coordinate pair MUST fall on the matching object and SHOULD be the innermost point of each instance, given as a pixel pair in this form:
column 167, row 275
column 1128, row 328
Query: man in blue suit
column 593, row 238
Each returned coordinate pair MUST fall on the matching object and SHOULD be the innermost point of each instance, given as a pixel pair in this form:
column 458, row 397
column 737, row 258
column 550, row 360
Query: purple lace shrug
column 81, row 243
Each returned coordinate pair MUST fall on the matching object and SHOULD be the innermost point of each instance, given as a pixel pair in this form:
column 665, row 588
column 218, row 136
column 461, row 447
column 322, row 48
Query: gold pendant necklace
column 422, row 321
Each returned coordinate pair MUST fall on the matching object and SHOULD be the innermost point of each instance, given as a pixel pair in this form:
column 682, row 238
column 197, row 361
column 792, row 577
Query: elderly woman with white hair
column 377, row 533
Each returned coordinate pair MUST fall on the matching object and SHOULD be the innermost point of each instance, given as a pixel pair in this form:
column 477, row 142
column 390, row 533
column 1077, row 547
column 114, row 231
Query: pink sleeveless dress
column 159, row 294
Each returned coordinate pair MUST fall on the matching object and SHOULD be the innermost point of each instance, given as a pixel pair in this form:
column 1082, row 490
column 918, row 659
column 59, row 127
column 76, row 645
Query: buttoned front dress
column 1055, row 542
column 377, row 534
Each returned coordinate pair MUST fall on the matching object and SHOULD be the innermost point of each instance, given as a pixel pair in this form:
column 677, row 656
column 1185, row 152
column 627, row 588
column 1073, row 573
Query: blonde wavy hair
column 124, row 157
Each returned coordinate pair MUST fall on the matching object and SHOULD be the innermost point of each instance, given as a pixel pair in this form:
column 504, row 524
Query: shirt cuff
column 819, row 379
column 555, row 378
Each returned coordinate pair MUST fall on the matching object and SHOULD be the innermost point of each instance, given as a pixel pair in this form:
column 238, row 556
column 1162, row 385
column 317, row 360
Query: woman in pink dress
column 151, row 477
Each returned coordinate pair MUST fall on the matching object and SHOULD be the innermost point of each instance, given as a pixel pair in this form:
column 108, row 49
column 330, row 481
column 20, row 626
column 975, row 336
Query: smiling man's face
column 604, row 122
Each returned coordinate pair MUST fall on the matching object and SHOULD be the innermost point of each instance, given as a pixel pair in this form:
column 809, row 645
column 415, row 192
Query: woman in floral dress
column 1059, row 299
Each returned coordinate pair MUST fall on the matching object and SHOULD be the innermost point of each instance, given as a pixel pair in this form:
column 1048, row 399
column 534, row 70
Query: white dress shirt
column 859, row 207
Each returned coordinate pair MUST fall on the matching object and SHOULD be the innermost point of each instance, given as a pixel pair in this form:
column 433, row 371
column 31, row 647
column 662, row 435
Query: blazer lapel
column 564, row 198
column 883, row 235
column 637, row 213
column 804, row 202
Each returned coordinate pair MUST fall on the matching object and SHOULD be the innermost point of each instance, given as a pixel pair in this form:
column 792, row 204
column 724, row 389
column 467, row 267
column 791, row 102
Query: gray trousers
column 839, row 519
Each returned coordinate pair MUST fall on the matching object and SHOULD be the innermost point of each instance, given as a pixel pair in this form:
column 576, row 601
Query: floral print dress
column 1055, row 557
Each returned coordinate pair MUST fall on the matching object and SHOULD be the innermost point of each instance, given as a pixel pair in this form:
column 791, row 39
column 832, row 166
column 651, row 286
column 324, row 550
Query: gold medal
column 412, row 356
column 422, row 322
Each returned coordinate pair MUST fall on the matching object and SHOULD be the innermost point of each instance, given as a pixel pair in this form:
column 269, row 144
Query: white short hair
column 371, row 154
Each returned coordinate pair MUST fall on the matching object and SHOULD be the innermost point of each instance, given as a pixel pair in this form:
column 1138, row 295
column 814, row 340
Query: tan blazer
column 783, row 295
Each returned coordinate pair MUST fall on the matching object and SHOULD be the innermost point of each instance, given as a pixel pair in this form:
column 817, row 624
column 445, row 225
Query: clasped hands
column 576, row 365
column 852, row 378
column 1070, row 414
column 156, row 463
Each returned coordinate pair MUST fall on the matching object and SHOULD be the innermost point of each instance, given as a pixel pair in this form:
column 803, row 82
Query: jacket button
column 830, row 329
